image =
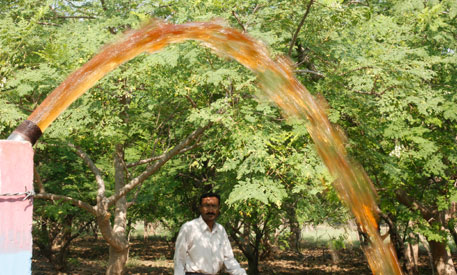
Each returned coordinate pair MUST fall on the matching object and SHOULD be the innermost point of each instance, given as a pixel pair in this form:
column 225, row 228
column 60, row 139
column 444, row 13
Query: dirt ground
column 88, row 256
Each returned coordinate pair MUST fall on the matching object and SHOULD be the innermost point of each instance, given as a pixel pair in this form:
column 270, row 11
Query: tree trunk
column 412, row 255
column 149, row 229
column 119, row 250
column 429, row 252
column 395, row 237
column 117, row 260
column 451, row 228
column 253, row 265
column 249, row 247
column 94, row 229
column 295, row 230
column 252, row 249
column 363, row 237
column 442, row 258
column 54, row 241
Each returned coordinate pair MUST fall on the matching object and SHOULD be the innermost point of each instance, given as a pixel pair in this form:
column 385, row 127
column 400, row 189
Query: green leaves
column 266, row 191
column 387, row 71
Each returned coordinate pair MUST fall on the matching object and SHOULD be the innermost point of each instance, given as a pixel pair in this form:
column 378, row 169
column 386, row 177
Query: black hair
column 209, row 195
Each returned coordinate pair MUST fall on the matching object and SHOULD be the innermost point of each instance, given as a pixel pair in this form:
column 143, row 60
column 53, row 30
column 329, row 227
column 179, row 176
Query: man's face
column 209, row 209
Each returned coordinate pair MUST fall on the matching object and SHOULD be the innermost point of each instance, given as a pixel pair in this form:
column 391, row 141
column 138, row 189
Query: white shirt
column 198, row 249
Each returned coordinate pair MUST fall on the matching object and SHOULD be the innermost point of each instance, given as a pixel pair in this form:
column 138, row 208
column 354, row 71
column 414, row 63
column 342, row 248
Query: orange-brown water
column 279, row 84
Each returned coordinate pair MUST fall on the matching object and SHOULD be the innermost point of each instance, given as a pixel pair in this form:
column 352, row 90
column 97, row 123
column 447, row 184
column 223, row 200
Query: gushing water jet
column 277, row 81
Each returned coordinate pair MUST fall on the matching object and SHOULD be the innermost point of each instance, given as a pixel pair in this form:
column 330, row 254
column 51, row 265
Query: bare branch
column 191, row 101
column 125, row 167
column 427, row 212
column 80, row 231
column 181, row 147
column 256, row 8
column 373, row 89
column 75, row 202
column 310, row 72
column 238, row 20
column 292, row 43
column 94, row 169
column 38, row 180
column 189, row 148
column 135, row 196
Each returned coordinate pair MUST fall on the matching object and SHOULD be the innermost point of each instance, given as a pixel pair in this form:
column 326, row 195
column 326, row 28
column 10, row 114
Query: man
column 202, row 246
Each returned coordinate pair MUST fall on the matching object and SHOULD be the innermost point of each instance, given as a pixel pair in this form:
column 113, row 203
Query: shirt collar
column 204, row 226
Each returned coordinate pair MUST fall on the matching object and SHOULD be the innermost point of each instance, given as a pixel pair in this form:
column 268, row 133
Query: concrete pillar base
column 16, row 176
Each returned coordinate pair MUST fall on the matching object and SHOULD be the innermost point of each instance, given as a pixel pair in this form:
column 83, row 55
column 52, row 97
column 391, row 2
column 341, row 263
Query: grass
column 134, row 261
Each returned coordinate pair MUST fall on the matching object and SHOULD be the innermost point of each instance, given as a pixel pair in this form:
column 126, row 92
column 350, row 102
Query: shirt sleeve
column 231, row 264
column 180, row 252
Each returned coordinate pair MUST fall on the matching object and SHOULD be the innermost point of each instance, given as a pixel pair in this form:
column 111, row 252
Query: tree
column 386, row 69
column 58, row 224
column 389, row 90
column 120, row 119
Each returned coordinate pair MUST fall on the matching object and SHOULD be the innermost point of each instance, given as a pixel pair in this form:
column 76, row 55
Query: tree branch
column 299, row 27
column 191, row 101
column 135, row 196
column 149, row 160
column 189, row 147
column 181, row 147
column 238, row 20
column 75, row 202
column 94, row 169
column 233, row 233
column 38, row 180
column 81, row 230
column 310, row 72
column 409, row 202
column 76, row 17
column 256, row 8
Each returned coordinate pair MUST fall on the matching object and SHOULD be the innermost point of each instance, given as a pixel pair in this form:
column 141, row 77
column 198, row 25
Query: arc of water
column 277, row 81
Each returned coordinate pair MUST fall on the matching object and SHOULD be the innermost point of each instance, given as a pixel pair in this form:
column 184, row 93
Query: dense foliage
column 386, row 68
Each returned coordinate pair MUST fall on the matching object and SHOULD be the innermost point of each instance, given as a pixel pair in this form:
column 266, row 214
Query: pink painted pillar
column 16, row 176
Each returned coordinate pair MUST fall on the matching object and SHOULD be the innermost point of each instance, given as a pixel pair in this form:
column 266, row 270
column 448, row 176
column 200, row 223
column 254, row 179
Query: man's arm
column 180, row 252
column 231, row 264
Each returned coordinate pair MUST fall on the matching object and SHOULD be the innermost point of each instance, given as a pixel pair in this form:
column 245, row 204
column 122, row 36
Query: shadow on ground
column 89, row 256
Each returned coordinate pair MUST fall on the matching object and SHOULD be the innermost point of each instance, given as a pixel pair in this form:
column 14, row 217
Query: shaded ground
column 88, row 256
